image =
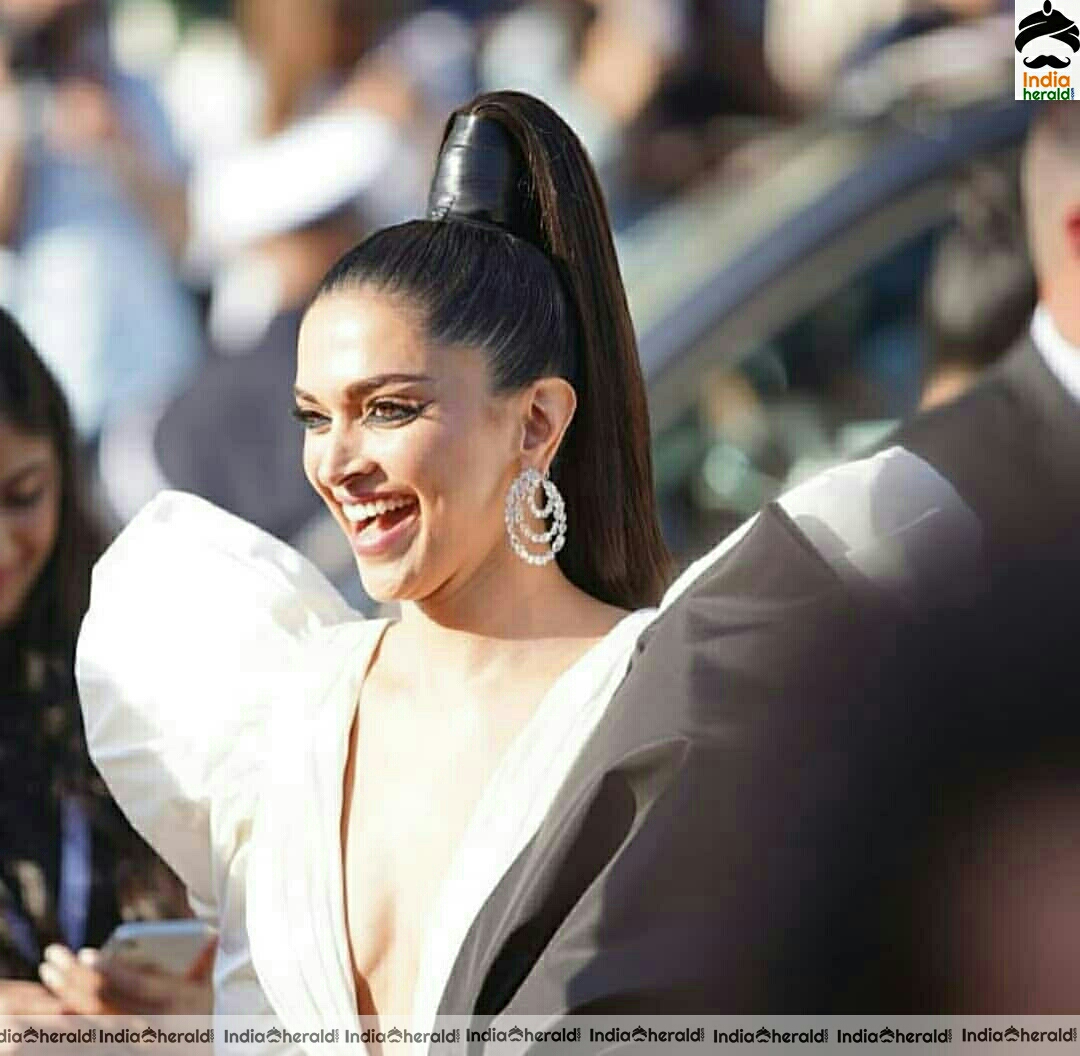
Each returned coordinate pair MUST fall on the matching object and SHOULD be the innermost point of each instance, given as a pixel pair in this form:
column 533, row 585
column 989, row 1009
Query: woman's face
column 29, row 515
column 389, row 416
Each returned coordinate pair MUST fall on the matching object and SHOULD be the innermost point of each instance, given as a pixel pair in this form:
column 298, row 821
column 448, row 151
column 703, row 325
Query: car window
column 830, row 382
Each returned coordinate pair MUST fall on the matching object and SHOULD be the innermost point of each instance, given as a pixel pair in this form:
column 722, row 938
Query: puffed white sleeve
column 198, row 625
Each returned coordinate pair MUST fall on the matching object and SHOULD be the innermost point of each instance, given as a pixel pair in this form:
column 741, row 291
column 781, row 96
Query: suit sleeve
column 678, row 874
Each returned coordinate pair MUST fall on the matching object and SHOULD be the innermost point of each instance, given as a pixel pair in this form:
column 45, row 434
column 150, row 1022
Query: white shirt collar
column 1060, row 356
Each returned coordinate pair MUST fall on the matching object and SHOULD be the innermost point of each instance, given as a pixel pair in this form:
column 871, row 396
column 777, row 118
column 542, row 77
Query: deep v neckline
column 340, row 895
column 361, row 672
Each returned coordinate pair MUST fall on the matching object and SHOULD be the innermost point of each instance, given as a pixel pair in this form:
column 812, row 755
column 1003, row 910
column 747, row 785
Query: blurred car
column 779, row 307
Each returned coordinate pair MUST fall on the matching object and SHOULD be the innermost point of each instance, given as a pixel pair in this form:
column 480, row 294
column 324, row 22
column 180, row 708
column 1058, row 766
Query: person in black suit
column 1000, row 678
column 1011, row 446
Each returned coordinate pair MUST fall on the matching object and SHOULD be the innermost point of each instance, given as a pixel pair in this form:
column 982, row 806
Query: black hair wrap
column 479, row 177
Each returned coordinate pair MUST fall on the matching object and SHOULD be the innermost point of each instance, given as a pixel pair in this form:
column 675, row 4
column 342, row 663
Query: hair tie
column 478, row 177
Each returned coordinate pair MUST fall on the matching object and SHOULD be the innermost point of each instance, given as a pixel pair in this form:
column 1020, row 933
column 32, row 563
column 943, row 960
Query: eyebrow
column 359, row 388
column 16, row 477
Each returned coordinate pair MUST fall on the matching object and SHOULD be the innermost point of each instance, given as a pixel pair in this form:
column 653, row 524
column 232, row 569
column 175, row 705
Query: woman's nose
column 343, row 456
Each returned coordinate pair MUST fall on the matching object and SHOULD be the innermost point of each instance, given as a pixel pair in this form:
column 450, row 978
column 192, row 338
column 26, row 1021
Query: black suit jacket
column 1011, row 447
column 678, row 859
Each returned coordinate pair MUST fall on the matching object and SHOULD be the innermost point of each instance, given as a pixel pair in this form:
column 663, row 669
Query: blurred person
column 304, row 50
column 715, row 95
column 598, row 61
column 89, row 275
column 251, row 225
column 980, row 291
column 263, row 240
column 540, row 47
column 984, row 797
column 303, row 53
column 627, row 46
column 333, row 147
column 942, row 830
column 449, row 370
column 70, row 866
column 341, row 89
column 1011, row 445
column 808, row 44
column 646, row 82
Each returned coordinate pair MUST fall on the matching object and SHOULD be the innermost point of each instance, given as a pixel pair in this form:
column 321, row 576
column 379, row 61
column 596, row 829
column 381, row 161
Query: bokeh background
column 816, row 212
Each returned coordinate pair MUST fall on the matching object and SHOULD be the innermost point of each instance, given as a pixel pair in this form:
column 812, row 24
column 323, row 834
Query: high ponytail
column 545, row 297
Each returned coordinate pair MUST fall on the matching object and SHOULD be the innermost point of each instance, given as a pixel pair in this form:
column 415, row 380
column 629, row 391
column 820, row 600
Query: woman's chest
column 412, row 786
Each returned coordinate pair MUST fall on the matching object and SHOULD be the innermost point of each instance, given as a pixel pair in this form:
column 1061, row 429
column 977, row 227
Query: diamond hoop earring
column 522, row 496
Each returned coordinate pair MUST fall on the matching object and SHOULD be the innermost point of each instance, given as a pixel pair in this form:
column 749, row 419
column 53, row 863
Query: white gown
column 219, row 674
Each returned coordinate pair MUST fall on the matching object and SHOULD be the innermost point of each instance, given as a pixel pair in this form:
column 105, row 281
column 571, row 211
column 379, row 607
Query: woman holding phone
column 71, row 868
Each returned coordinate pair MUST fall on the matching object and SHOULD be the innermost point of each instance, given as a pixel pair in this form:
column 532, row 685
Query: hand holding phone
column 170, row 946
column 156, row 968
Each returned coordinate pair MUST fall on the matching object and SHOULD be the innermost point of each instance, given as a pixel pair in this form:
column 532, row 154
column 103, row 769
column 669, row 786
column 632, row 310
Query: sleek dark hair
column 32, row 402
column 43, row 729
column 551, row 303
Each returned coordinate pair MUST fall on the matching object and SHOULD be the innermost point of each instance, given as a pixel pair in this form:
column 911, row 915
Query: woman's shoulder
column 201, row 629
column 200, row 620
column 185, row 573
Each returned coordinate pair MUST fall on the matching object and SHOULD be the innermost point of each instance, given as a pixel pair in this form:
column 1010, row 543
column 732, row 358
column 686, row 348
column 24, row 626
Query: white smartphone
column 169, row 945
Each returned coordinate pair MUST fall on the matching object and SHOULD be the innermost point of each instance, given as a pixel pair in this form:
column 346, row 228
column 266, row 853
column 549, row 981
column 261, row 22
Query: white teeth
column 362, row 511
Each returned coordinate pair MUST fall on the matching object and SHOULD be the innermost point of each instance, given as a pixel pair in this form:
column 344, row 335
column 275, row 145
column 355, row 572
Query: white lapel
column 295, row 896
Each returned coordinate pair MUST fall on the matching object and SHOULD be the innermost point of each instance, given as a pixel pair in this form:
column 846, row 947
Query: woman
column 70, row 866
column 450, row 371
column 91, row 278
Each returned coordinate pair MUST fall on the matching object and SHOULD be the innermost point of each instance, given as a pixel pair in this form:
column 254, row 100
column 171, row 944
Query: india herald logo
column 1041, row 28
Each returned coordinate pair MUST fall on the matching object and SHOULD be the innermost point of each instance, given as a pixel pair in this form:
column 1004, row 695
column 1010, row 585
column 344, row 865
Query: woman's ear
column 548, row 409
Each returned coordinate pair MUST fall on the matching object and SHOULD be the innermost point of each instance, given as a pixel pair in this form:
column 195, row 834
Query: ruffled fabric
column 200, row 627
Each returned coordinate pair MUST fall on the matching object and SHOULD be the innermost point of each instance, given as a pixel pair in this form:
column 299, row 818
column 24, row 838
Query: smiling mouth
column 373, row 525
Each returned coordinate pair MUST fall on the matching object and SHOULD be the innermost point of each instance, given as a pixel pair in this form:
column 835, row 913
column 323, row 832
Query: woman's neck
column 498, row 617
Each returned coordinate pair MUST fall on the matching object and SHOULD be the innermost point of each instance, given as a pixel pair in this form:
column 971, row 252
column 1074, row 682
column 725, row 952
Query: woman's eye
column 392, row 411
column 309, row 419
column 379, row 411
column 24, row 501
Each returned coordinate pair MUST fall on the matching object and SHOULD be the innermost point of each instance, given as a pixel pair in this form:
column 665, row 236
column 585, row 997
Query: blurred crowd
column 175, row 178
